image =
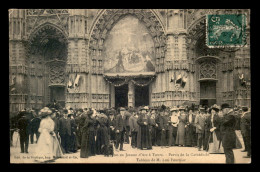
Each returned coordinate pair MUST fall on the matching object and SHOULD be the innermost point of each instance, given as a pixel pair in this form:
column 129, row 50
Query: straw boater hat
column 181, row 108
column 101, row 115
column 154, row 108
column 122, row 109
column 202, row 109
column 215, row 108
column 146, row 108
column 174, row 108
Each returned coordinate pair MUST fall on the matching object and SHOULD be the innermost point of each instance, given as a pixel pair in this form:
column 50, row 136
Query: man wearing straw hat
column 200, row 124
column 173, row 126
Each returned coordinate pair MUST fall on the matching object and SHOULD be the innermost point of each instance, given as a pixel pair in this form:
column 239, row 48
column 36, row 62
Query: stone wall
column 175, row 33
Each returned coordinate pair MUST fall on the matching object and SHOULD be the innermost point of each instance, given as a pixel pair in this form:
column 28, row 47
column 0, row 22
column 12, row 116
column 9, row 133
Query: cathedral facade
column 104, row 58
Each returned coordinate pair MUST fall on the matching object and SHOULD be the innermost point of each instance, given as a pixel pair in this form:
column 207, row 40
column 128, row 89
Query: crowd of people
column 93, row 132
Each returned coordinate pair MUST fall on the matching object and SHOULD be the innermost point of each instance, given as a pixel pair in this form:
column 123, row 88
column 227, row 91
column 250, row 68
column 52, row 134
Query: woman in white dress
column 48, row 147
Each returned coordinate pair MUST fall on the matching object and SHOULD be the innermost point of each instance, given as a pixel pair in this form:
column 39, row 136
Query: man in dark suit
column 65, row 131
column 166, row 122
column 228, row 133
column 161, row 122
column 246, row 130
column 23, row 126
column 112, row 124
column 35, row 124
column 247, row 117
column 120, row 129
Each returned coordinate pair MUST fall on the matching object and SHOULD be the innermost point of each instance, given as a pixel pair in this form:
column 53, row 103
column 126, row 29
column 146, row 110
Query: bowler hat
column 22, row 113
column 225, row 105
column 90, row 112
column 244, row 108
column 163, row 107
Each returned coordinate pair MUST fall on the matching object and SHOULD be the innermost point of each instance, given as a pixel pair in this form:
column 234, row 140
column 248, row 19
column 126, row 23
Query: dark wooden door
column 208, row 93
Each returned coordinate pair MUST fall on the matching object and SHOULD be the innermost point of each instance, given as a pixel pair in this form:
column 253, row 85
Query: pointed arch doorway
column 47, row 63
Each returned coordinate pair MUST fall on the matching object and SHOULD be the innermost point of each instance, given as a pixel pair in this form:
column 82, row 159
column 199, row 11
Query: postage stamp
column 226, row 30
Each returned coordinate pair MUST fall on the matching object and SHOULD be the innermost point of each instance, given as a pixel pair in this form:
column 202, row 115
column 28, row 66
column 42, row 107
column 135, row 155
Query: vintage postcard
column 129, row 86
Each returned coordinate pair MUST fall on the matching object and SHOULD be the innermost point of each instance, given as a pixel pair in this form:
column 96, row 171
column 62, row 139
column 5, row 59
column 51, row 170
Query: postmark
column 226, row 30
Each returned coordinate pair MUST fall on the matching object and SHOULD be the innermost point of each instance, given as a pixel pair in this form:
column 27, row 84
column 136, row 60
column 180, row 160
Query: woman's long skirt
column 102, row 140
column 88, row 144
column 214, row 147
column 73, row 143
column 180, row 140
column 190, row 136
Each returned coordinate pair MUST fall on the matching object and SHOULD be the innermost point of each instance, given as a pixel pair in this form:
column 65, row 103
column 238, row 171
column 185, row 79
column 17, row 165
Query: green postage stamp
column 226, row 30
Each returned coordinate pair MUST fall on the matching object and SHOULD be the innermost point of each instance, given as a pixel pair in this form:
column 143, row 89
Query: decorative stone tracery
column 208, row 69
column 57, row 74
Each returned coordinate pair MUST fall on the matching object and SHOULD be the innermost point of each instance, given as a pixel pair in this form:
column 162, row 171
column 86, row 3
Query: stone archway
column 108, row 18
column 205, row 60
column 47, row 52
column 101, row 28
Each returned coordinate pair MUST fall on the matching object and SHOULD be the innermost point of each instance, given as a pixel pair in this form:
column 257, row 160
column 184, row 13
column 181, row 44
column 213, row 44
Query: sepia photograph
column 129, row 86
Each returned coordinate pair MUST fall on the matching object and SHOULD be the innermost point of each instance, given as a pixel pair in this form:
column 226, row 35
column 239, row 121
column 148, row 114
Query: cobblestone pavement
column 156, row 155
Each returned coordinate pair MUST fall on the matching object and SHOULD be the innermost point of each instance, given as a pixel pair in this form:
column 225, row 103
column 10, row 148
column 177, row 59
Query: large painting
column 129, row 48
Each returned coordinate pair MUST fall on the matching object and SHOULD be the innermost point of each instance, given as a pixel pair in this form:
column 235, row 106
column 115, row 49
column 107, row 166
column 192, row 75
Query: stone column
column 176, row 58
column 17, row 58
column 131, row 94
column 112, row 95
column 77, row 62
